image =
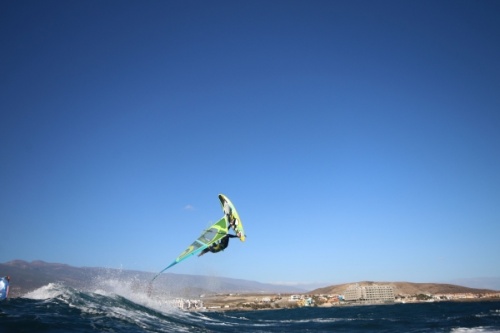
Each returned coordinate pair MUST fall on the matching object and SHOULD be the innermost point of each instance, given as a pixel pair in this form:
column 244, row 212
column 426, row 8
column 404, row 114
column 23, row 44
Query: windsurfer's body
column 218, row 246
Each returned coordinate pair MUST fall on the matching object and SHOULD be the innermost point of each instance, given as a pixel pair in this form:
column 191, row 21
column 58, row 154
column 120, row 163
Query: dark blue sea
column 56, row 308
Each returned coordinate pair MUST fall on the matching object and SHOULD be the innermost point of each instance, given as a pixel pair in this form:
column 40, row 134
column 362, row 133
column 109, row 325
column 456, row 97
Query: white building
column 374, row 293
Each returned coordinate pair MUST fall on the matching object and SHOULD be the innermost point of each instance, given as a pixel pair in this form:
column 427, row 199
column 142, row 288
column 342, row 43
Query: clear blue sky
column 359, row 140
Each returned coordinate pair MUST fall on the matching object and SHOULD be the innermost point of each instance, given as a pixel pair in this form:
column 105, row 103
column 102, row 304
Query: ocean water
column 117, row 308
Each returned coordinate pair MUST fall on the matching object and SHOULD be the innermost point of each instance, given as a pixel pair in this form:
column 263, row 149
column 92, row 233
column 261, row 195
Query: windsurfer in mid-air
column 218, row 246
column 215, row 238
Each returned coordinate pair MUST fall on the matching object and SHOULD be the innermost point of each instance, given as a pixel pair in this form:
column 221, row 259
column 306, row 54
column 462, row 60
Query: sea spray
column 114, row 305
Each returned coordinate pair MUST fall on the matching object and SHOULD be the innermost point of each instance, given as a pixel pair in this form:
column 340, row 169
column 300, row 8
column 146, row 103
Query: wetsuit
column 219, row 246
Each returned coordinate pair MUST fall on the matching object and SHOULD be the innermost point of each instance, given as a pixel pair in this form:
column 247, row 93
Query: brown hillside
column 407, row 288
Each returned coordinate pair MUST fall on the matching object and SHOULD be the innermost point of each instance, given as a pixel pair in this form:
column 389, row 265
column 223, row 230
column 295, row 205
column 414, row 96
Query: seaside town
column 353, row 295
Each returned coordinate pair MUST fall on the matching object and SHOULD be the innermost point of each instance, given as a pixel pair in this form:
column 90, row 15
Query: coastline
column 255, row 302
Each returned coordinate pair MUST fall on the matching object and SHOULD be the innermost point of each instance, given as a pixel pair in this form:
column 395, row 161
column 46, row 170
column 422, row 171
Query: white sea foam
column 52, row 290
column 474, row 330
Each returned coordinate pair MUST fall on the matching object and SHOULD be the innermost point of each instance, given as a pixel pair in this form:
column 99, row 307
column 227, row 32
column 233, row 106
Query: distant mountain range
column 29, row 276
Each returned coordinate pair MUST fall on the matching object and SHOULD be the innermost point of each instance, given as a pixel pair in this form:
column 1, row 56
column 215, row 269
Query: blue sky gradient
column 359, row 140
